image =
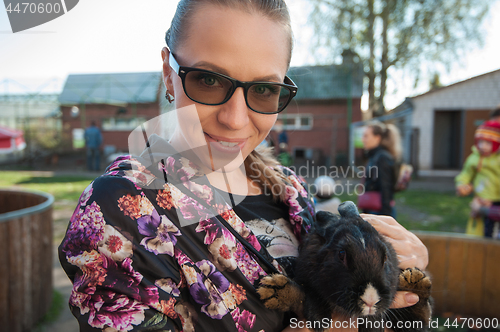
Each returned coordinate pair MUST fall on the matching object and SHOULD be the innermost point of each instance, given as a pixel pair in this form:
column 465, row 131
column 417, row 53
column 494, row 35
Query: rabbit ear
column 324, row 220
column 348, row 210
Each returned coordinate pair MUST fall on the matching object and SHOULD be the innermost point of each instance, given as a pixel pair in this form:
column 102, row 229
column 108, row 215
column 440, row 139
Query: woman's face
column 370, row 141
column 247, row 47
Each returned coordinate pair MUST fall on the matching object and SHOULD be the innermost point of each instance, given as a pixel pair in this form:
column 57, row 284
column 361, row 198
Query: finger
column 386, row 219
column 404, row 299
column 384, row 227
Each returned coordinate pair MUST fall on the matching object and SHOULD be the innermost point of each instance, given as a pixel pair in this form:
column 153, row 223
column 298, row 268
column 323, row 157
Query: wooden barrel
column 465, row 272
column 25, row 258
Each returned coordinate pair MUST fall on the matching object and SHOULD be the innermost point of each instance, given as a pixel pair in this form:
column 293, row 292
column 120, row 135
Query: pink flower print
column 211, row 228
column 297, row 185
column 247, row 265
column 222, row 250
column 192, row 211
column 182, row 258
column 115, row 245
column 107, row 308
column 244, row 319
column 85, row 230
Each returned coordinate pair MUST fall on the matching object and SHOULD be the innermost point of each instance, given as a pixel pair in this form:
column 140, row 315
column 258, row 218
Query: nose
column 234, row 113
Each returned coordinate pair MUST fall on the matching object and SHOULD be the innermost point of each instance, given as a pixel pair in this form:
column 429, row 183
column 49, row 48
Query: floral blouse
column 135, row 267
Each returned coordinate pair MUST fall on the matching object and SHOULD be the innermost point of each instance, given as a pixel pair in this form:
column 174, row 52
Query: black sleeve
column 386, row 183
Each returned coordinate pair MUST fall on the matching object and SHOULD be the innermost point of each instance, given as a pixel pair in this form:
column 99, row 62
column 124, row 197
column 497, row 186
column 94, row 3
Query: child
column 481, row 171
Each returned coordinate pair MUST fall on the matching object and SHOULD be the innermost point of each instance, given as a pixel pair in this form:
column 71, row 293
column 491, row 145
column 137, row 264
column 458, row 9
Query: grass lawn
column 416, row 210
column 429, row 210
column 432, row 211
column 62, row 187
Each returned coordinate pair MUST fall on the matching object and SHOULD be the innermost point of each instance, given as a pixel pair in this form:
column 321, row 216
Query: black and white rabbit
column 346, row 267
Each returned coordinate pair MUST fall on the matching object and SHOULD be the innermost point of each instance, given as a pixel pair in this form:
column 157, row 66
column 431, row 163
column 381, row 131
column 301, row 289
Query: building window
column 297, row 121
column 121, row 123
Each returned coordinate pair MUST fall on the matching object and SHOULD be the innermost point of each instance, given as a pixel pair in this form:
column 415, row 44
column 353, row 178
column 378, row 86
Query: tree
column 410, row 34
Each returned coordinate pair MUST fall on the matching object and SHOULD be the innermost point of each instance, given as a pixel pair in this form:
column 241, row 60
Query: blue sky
column 127, row 36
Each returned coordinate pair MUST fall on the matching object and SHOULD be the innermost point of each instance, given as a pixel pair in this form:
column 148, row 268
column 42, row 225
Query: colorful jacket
column 134, row 267
column 483, row 173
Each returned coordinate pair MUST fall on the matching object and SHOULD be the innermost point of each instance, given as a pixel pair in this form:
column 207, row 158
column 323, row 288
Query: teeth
column 228, row 144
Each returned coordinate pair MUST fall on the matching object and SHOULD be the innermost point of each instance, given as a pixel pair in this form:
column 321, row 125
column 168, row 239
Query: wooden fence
column 25, row 258
column 465, row 272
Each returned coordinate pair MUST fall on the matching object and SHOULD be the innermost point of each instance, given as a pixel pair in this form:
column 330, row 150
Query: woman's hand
column 411, row 252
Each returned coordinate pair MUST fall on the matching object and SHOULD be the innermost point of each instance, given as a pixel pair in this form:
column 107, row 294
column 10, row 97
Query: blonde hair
column 275, row 10
column 390, row 137
column 262, row 168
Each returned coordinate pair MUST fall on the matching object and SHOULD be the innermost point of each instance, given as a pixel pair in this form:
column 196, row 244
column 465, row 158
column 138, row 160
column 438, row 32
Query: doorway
column 447, row 143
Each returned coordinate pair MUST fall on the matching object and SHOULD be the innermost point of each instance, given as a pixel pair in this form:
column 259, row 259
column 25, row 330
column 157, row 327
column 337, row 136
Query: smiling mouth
column 228, row 144
column 231, row 143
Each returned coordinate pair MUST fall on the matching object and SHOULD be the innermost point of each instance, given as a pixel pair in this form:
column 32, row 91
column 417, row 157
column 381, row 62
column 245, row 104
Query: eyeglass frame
column 182, row 71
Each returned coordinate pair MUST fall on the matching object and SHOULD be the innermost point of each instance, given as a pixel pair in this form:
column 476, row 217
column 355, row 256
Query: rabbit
column 346, row 267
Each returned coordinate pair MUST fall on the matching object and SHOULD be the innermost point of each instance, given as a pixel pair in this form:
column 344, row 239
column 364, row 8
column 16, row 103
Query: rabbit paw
column 416, row 281
column 279, row 292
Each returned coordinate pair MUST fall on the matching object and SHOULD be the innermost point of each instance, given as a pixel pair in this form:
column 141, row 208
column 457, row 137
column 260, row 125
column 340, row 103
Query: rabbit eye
column 343, row 257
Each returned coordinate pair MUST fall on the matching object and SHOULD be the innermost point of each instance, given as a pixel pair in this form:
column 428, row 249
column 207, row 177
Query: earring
column 169, row 97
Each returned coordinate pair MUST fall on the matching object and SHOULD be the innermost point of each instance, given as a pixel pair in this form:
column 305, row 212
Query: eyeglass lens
column 213, row 89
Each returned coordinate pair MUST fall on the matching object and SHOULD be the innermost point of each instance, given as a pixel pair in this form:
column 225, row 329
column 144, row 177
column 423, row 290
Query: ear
column 324, row 220
column 167, row 71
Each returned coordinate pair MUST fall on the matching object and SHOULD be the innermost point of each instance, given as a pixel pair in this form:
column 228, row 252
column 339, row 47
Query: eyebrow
column 220, row 70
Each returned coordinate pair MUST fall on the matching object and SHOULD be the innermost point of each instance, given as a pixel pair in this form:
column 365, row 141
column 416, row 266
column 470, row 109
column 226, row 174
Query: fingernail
column 411, row 298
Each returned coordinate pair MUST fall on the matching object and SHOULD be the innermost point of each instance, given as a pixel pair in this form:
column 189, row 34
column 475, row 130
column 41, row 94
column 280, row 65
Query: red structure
column 11, row 140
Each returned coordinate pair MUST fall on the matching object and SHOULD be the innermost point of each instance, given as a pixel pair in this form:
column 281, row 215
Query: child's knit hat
column 489, row 131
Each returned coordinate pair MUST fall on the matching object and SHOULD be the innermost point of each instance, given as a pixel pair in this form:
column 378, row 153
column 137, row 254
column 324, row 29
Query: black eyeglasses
column 211, row 88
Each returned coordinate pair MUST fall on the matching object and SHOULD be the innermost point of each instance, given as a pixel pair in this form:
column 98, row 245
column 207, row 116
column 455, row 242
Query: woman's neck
column 234, row 182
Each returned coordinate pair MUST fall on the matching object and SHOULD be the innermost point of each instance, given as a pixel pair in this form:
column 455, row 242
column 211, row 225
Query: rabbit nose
column 370, row 297
column 371, row 303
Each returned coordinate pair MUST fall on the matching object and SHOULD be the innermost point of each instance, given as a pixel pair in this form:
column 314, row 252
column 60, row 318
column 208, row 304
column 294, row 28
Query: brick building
column 317, row 120
column 117, row 103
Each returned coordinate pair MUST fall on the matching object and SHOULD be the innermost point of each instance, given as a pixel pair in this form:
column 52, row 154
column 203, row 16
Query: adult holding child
column 144, row 248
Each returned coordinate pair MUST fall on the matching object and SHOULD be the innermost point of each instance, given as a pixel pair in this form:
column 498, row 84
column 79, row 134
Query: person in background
column 382, row 144
column 491, row 212
column 481, row 172
column 93, row 141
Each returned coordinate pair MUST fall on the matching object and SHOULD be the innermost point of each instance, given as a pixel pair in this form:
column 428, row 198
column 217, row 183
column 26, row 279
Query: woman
column 157, row 243
column 382, row 145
